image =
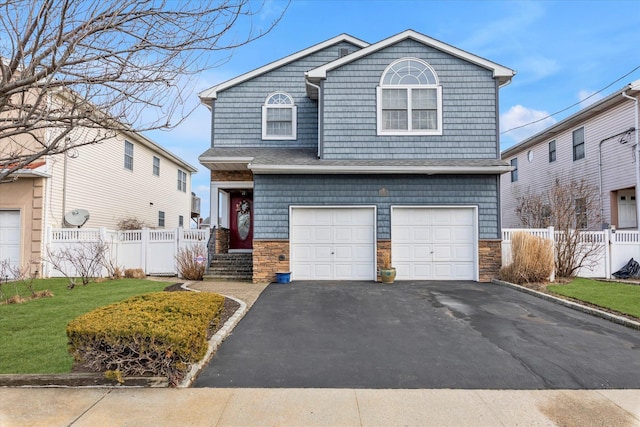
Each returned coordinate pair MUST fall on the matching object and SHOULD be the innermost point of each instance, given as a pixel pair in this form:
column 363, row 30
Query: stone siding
column 222, row 241
column 241, row 175
column 490, row 259
column 266, row 259
column 383, row 253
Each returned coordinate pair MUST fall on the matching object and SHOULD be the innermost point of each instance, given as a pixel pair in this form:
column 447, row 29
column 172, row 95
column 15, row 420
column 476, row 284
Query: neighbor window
column 581, row 212
column 156, row 166
column 160, row 218
column 409, row 99
column 514, row 172
column 128, row 155
column 182, row 181
column 552, row 151
column 180, row 221
column 578, row 144
column 279, row 117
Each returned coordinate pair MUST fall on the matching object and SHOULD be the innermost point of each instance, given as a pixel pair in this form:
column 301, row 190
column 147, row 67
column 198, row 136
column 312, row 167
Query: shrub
column 188, row 267
column 160, row 334
column 532, row 259
column 134, row 273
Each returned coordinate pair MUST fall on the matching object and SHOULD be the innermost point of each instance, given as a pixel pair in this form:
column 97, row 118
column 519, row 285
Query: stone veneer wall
column 490, row 259
column 383, row 255
column 266, row 262
column 241, row 175
column 222, row 241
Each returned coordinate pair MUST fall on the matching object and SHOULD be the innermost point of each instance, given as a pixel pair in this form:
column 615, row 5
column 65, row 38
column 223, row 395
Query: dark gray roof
column 308, row 157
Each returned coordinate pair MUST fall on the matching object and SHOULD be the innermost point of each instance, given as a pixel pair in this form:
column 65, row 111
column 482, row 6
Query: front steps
column 231, row 267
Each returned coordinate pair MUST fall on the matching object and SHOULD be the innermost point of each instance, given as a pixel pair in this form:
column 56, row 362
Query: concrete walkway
column 316, row 407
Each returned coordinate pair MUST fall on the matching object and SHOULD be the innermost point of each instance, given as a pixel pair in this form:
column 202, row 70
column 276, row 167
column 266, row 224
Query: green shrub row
column 158, row 334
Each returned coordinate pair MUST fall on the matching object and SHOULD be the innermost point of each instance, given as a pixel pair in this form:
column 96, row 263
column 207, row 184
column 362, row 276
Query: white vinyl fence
column 153, row 251
column 615, row 249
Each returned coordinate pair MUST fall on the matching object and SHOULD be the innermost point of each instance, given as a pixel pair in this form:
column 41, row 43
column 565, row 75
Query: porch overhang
column 225, row 163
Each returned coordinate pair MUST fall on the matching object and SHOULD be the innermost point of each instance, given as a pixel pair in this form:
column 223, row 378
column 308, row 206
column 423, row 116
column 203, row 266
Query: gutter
column 425, row 170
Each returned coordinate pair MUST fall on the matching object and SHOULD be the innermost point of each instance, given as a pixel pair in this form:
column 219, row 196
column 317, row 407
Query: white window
column 160, row 218
column 128, row 155
column 182, row 181
column 180, row 221
column 156, row 166
column 279, row 117
column 409, row 99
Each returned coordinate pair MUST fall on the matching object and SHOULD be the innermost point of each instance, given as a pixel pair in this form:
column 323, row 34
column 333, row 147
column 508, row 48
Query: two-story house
column 332, row 161
column 125, row 176
column 598, row 144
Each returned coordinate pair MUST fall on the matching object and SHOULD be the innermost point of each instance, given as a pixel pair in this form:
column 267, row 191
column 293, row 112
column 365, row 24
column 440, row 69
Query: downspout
column 600, row 165
column 637, row 167
column 320, row 116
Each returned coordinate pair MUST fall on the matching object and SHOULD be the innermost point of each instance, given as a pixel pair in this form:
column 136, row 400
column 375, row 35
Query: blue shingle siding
column 469, row 109
column 273, row 194
column 238, row 110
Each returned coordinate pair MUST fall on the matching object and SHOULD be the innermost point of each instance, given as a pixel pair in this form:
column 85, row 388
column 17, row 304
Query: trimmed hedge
column 160, row 334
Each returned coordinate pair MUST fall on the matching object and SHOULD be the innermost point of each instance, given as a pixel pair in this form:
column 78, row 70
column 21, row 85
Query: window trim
column 161, row 219
column 553, row 153
column 514, row 172
column 182, row 181
column 294, row 118
column 180, row 220
column 583, row 144
column 408, row 87
column 128, row 156
column 155, row 168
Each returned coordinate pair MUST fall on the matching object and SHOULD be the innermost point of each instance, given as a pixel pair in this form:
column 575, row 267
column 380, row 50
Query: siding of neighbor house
column 98, row 181
column 26, row 195
column 238, row 110
column 469, row 95
column 273, row 194
column 617, row 163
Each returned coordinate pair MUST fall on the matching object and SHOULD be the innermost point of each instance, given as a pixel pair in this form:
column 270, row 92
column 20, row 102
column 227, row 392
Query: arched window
column 409, row 99
column 279, row 117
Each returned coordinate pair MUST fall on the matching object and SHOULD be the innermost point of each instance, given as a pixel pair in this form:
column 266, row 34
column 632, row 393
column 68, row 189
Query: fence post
column 607, row 253
column 179, row 240
column 552, row 236
column 144, row 241
column 46, row 267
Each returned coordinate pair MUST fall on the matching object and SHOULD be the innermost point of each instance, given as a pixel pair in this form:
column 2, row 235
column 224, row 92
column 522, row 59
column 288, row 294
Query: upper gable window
column 279, row 117
column 409, row 99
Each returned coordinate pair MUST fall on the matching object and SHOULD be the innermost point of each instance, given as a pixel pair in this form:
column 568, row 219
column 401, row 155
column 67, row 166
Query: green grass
column 620, row 297
column 33, row 337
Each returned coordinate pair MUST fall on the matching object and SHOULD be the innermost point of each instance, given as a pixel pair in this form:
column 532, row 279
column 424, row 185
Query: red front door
column 241, row 221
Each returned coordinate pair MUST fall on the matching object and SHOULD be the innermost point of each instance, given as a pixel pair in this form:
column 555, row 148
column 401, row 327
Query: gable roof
column 212, row 92
column 503, row 74
column 575, row 119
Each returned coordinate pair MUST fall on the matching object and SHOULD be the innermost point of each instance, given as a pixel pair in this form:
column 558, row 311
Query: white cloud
column 588, row 97
column 519, row 115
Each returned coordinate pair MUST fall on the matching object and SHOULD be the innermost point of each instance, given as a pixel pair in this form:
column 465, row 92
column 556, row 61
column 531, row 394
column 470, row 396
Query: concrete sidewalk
column 315, row 407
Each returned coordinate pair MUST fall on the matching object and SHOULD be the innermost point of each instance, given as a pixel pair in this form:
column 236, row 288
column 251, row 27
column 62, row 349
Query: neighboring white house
column 598, row 144
column 125, row 176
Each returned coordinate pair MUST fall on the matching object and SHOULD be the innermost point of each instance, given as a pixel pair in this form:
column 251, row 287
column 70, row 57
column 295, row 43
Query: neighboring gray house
column 346, row 156
column 597, row 144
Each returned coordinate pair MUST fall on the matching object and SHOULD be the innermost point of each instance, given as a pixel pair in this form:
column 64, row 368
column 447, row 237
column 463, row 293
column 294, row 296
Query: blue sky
column 562, row 51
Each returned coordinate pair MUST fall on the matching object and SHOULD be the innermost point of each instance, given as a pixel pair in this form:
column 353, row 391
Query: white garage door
column 434, row 243
column 10, row 237
column 332, row 243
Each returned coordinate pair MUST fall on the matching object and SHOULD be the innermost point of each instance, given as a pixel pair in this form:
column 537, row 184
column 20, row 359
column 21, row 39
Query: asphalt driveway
column 420, row 335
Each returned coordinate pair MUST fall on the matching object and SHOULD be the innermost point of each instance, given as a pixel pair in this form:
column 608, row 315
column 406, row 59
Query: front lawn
column 33, row 337
column 620, row 297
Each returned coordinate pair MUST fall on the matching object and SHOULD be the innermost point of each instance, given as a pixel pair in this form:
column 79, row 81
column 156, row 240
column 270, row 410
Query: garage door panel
column 434, row 243
column 10, row 237
column 343, row 243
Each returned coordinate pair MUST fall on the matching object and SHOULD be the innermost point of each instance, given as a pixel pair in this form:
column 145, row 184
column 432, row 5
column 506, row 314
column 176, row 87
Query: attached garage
column 10, row 236
column 332, row 243
column 434, row 243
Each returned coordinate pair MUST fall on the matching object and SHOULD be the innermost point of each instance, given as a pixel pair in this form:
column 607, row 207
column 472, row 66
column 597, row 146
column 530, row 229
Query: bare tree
column 84, row 260
column 571, row 207
column 107, row 66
